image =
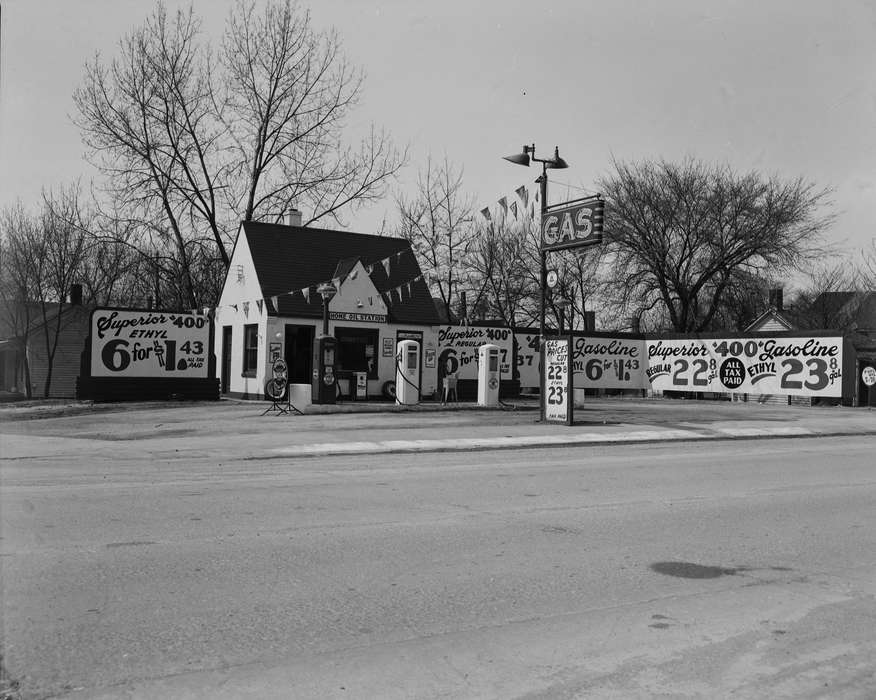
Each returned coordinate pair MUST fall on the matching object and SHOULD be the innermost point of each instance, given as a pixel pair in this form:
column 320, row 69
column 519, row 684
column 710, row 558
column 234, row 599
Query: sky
column 784, row 87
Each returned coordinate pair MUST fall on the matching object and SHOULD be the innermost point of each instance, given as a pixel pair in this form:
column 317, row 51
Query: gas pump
column 488, row 375
column 407, row 373
column 324, row 385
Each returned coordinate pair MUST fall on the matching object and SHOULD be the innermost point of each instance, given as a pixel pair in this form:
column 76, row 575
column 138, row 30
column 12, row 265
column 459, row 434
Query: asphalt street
column 181, row 560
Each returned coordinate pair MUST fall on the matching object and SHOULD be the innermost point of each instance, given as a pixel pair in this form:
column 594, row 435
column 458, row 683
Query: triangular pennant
column 514, row 209
column 486, row 213
column 246, row 309
column 234, row 306
column 523, row 193
column 274, row 303
column 503, row 202
column 370, row 269
column 259, row 303
column 306, row 293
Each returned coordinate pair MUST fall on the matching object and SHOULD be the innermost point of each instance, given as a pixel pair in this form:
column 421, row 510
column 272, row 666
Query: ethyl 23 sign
column 573, row 224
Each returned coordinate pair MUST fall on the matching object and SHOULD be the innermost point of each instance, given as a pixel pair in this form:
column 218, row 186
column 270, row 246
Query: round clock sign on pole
column 552, row 278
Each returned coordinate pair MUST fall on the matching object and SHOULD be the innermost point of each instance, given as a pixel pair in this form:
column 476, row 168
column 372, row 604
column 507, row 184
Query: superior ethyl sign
column 557, row 365
column 135, row 343
column 801, row 366
column 573, row 224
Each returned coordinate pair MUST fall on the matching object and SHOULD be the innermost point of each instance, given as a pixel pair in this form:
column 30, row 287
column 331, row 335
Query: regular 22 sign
column 135, row 343
column 800, row 366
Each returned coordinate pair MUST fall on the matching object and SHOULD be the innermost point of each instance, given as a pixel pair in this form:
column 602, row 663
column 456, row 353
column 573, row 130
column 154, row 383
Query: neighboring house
column 774, row 318
column 855, row 311
column 70, row 343
column 270, row 308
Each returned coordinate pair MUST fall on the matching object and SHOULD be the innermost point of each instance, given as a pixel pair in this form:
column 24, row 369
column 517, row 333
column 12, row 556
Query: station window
column 357, row 350
column 250, row 349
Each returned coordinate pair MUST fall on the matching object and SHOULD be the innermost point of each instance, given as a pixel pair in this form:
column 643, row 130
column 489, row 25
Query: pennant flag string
column 523, row 193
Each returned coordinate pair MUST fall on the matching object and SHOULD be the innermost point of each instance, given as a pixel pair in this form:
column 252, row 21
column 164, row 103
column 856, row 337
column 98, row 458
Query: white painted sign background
column 133, row 343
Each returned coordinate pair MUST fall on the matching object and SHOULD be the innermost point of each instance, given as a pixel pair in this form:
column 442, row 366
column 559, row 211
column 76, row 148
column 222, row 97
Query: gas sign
column 573, row 224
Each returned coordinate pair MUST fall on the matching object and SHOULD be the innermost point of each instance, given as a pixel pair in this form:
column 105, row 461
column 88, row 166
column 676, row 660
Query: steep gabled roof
column 289, row 258
column 770, row 320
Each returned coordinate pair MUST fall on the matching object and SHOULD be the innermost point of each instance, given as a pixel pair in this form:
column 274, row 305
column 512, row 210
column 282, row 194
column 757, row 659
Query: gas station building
column 270, row 308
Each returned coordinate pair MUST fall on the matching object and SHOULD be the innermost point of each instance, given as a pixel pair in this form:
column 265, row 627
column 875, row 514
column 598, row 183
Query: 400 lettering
column 118, row 354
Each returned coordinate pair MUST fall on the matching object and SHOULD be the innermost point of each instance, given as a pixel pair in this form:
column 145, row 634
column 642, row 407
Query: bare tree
column 192, row 143
column 682, row 233
column 290, row 91
column 20, row 259
column 438, row 223
column 63, row 243
column 832, row 296
column 501, row 279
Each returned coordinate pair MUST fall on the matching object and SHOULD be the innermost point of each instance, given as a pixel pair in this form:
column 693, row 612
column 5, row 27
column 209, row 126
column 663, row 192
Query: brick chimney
column 776, row 301
column 293, row 218
column 76, row 295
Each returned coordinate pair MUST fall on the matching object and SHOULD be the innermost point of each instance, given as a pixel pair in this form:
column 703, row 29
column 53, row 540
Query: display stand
column 277, row 390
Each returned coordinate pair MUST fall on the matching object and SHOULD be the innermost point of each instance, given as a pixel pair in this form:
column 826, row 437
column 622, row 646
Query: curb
column 541, row 441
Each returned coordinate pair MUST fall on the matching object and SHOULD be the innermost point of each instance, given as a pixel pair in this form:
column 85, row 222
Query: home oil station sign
column 135, row 354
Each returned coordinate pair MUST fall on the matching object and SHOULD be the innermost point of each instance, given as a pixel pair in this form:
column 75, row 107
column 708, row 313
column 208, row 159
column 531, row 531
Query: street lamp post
column 524, row 158
column 326, row 290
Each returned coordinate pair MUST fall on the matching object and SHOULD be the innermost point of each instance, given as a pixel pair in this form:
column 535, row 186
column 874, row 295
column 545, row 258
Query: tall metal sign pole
column 562, row 227
column 524, row 158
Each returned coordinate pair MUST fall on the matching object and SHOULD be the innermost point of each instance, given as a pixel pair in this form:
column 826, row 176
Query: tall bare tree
column 683, row 233
column 193, row 142
column 437, row 221
column 20, row 258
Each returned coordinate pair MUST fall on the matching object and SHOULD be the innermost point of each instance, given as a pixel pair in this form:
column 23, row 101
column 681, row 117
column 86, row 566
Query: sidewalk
column 238, row 428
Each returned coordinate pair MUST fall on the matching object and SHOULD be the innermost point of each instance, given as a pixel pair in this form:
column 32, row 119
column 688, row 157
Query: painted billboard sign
column 138, row 343
column 609, row 363
column 458, row 349
column 803, row 365
column 598, row 362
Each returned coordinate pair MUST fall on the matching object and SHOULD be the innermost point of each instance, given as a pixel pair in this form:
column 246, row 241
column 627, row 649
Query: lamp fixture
column 528, row 154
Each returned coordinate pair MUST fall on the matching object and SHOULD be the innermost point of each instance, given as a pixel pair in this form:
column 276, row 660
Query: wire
column 574, row 187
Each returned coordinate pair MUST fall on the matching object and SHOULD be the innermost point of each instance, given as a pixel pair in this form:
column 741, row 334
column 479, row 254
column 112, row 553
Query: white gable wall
column 241, row 289
column 357, row 294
